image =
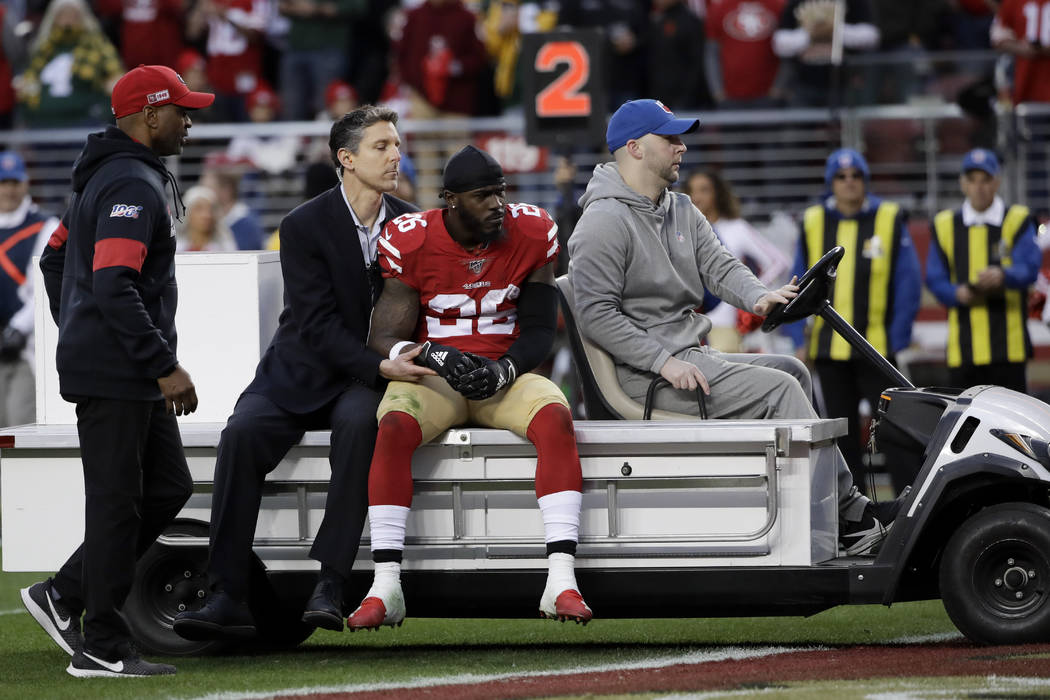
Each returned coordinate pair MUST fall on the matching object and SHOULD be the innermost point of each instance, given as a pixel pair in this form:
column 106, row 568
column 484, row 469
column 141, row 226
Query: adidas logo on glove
column 439, row 357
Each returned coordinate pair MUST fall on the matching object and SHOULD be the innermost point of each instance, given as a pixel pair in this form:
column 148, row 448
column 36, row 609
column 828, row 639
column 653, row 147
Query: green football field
column 31, row 666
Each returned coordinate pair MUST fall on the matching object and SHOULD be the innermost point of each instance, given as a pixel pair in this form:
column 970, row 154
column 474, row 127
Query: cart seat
column 603, row 396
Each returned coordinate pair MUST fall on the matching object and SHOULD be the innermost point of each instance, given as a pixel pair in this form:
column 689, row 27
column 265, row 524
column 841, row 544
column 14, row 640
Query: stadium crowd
column 429, row 58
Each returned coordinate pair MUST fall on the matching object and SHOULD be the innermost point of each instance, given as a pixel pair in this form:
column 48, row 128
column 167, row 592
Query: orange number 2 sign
column 562, row 97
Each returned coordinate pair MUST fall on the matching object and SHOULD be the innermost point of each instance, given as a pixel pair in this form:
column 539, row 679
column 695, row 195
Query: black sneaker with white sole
column 864, row 536
column 60, row 623
column 129, row 665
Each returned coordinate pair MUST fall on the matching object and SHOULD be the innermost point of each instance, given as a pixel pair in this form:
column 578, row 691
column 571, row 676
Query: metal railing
column 773, row 158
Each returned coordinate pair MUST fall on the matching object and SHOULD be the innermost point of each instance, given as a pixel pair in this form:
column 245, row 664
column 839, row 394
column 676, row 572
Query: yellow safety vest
column 863, row 294
column 993, row 331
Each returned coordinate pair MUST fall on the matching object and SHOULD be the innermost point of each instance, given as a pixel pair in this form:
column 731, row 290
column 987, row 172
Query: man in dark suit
column 317, row 373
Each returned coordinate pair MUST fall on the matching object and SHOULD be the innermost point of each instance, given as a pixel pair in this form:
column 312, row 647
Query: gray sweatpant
column 748, row 386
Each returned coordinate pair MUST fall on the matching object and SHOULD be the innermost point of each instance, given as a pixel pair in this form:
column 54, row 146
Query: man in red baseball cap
column 110, row 276
column 154, row 86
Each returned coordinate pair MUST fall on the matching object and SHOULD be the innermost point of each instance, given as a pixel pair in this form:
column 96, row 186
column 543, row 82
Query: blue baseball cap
column 636, row 118
column 12, row 167
column 842, row 159
column 981, row 159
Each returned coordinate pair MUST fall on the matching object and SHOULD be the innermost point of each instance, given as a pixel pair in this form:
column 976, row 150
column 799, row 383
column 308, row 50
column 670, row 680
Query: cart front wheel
column 995, row 575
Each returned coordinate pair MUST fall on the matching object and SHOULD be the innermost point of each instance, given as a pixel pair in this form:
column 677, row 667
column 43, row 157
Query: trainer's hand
column 783, row 295
column 684, row 375
column 403, row 367
column 489, row 377
column 180, row 396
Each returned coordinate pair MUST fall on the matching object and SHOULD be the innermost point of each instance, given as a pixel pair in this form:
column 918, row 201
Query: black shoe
column 862, row 536
column 128, row 665
column 887, row 511
column 222, row 617
column 61, row 624
column 325, row 607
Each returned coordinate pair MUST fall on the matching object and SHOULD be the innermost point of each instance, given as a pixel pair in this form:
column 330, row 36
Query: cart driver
column 640, row 258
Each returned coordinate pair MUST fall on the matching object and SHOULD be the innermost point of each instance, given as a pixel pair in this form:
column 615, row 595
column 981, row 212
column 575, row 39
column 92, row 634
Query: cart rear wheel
column 995, row 575
column 169, row 580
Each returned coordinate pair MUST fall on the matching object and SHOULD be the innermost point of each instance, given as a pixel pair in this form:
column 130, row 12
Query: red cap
column 262, row 96
column 339, row 90
column 154, row 85
column 189, row 59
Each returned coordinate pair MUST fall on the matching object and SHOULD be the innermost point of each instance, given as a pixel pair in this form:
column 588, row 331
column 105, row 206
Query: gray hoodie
column 638, row 272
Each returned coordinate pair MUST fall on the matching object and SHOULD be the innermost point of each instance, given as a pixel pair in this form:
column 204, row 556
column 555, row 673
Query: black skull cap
column 471, row 168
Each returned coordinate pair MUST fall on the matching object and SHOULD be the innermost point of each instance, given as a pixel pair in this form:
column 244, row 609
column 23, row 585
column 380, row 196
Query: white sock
column 387, row 526
column 560, row 572
column 561, row 516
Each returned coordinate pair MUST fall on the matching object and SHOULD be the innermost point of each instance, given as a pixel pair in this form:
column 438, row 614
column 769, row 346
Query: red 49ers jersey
column 468, row 300
column 1029, row 20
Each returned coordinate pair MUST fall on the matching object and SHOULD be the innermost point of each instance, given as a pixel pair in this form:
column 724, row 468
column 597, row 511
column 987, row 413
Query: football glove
column 489, row 377
column 448, row 362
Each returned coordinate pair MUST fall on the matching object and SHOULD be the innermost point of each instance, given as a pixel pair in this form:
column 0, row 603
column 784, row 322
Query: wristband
column 396, row 350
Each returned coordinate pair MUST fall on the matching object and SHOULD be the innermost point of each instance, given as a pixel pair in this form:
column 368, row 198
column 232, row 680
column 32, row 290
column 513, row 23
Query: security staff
column 24, row 229
column 877, row 290
column 982, row 259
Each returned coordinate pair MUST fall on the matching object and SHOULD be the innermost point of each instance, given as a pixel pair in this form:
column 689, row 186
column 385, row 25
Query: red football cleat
column 376, row 611
column 568, row 605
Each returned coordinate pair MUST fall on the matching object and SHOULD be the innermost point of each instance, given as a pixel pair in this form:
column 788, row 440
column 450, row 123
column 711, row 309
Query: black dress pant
column 843, row 383
column 135, row 482
column 255, row 440
column 1010, row 375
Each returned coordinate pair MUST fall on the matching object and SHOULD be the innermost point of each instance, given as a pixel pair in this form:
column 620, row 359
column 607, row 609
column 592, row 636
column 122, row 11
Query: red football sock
column 390, row 476
column 557, row 460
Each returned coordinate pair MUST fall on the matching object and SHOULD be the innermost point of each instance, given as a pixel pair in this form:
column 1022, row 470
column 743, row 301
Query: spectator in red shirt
column 1022, row 28
column 234, row 31
column 440, row 57
column 741, row 65
column 150, row 30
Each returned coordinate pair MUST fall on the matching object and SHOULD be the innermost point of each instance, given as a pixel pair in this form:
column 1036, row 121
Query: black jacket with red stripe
column 109, row 270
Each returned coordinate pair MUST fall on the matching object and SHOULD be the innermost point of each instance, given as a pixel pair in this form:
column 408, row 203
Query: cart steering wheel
column 813, row 291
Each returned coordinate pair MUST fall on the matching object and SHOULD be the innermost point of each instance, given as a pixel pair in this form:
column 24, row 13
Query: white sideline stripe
column 14, row 611
column 926, row 638
column 747, row 692
column 727, row 654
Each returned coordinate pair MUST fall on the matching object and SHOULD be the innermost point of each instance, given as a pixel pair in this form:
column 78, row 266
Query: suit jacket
column 319, row 347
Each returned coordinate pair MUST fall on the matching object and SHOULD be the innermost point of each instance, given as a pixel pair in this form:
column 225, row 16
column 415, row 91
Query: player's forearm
column 394, row 318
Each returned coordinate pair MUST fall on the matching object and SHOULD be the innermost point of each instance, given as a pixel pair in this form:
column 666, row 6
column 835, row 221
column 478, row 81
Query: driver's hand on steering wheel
column 684, row 375
column 769, row 301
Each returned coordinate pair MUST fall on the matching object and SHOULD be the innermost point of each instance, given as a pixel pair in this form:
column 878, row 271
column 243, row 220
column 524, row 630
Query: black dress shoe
column 222, row 617
column 325, row 607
